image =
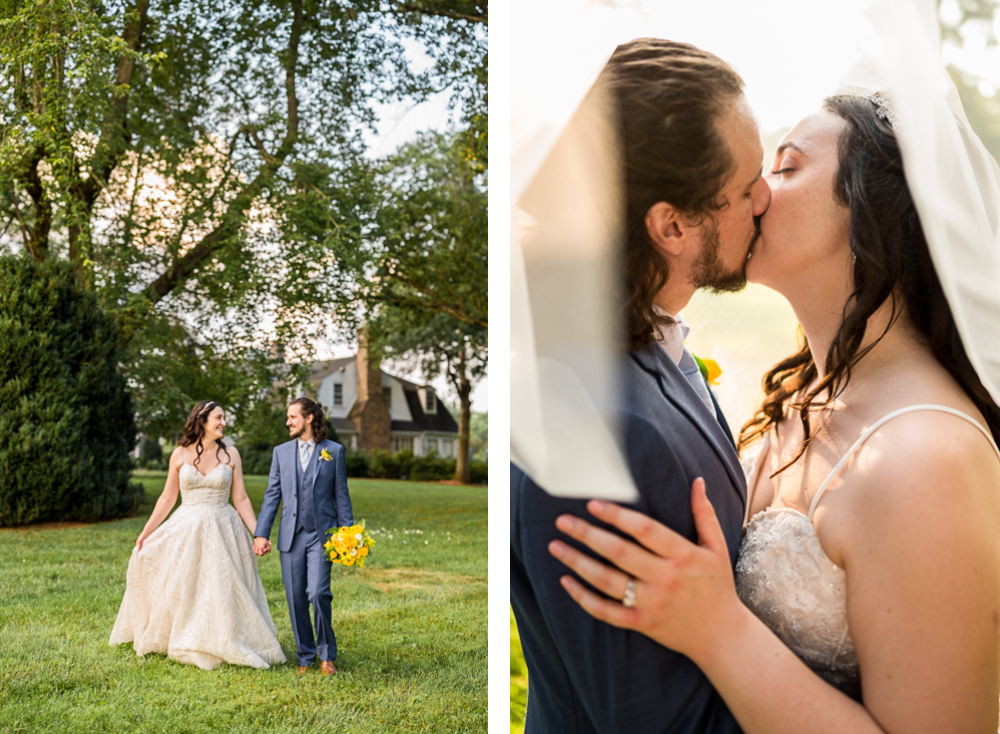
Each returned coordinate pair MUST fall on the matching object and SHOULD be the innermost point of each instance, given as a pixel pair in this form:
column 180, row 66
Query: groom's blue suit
column 585, row 675
column 312, row 500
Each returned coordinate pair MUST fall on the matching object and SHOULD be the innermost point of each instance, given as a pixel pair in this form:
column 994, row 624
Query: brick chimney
column 369, row 414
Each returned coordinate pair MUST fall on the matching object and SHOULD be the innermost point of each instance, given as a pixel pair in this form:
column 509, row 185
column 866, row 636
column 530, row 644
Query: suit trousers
column 305, row 570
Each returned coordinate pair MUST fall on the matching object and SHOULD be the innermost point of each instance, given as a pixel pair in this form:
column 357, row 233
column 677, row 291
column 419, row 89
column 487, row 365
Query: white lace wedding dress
column 193, row 591
column 784, row 577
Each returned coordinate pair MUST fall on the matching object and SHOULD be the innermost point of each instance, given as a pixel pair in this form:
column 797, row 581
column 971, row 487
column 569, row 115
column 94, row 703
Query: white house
column 418, row 420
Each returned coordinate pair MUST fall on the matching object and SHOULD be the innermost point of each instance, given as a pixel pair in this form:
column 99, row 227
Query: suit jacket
column 325, row 480
column 585, row 675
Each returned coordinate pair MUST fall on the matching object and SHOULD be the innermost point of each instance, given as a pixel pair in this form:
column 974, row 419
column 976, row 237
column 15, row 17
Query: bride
column 866, row 596
column 192, row 588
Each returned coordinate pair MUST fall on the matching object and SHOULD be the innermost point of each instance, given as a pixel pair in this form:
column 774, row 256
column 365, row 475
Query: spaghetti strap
column 765, row 448
column 878, row 424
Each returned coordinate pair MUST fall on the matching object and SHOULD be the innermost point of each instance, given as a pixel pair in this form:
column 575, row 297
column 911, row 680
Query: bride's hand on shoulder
column 684, row 596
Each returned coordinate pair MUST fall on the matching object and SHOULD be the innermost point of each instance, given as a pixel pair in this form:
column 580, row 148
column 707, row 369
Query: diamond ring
column 628, row 601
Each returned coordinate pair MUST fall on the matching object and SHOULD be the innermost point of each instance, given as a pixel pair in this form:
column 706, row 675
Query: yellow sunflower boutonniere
column 349, row 545
column 710, row 369
column 325, row 455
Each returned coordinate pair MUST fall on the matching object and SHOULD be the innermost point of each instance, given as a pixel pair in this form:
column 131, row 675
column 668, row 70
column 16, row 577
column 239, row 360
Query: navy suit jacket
column 326, row 480
column 585, row 675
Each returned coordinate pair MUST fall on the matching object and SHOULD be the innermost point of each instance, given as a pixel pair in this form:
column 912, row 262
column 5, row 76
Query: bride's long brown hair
column 194, row 431
column 893, row 263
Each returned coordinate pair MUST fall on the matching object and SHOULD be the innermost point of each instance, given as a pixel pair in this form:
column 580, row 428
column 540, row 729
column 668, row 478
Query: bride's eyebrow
column 784, row 146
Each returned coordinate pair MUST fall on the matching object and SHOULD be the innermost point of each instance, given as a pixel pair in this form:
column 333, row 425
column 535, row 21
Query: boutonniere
column 325, row 455
column 709, row 368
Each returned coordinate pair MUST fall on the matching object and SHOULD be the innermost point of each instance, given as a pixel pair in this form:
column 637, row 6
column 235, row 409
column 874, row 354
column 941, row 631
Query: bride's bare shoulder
column 925, row 460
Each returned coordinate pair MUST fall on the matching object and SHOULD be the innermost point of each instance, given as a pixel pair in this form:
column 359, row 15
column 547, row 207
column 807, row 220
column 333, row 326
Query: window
column 402, row 442
column 338, row 393
column 387, row 396
column 432, row 445
column 430, row 402
column 446, row 447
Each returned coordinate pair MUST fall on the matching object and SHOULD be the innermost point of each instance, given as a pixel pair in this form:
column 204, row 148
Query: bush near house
column 405, row 465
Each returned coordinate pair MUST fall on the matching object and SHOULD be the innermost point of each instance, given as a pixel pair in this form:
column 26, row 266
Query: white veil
column 566, row 225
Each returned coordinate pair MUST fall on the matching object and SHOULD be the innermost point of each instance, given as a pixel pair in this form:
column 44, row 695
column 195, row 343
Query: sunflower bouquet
column 349, row 545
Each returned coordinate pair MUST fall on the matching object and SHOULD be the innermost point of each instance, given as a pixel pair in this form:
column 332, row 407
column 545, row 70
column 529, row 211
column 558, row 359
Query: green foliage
column 66, row 419
column 479, row 436
column 478, row 472
column 383, row 465
column 431, row 467
column 518, row 680
column 200, row 165
column 356, row 463
column 151, row 454
column 258, row 432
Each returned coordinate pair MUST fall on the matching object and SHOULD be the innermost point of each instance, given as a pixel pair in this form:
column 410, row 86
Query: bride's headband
column 884, row 108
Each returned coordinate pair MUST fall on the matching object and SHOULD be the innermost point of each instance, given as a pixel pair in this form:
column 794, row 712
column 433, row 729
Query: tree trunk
column 464, row 389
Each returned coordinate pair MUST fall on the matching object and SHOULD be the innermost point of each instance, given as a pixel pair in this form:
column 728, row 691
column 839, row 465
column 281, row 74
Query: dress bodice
column 785, row 578
column 210, row 489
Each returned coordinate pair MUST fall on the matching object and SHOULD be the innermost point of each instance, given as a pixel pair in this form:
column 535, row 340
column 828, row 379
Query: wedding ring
column 628, row 601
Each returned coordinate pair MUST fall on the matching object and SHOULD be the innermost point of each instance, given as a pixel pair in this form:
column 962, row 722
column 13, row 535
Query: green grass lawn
column 411, row 631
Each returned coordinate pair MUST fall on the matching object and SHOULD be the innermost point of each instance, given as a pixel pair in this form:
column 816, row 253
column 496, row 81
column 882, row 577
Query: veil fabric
column 567, row 226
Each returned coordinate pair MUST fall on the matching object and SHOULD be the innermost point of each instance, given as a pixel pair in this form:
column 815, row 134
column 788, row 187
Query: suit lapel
column 675, row 387
column 312, row 468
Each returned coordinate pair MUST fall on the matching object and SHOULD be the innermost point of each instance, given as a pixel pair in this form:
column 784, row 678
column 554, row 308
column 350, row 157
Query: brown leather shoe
column 303, row 669
column 328, row 668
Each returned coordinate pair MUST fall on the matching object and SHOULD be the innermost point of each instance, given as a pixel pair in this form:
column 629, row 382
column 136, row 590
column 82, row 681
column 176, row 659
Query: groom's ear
column 667, row 230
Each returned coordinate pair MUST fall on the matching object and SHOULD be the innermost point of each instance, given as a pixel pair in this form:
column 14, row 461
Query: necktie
column 304, row 455
column 690, row 370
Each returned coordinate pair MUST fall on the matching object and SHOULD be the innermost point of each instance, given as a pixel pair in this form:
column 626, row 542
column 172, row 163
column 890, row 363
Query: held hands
column 683, row 595
column 261, row 546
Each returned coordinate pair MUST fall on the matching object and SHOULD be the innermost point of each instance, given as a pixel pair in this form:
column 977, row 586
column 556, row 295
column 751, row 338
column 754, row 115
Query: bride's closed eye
column 781, row 170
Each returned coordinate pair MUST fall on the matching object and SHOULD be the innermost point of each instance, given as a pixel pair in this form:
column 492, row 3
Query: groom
column 693, row 186
column 309, row 478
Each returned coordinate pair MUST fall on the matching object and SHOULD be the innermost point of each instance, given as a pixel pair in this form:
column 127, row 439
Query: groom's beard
column 711, row 273
column 292, row 433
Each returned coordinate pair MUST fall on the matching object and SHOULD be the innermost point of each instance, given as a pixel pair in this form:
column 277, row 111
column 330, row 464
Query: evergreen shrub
column 67, row 425
column 356, row 463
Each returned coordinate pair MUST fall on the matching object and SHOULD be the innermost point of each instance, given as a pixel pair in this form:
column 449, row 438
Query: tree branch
column 114, row 148
column 235, row 213
column 430, row 301
column 400, row 8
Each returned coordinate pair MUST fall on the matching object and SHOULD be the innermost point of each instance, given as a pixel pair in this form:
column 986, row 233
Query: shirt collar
column 310, row 442
column 672, row 337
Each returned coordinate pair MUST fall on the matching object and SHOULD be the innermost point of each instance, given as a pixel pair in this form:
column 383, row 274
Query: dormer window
column 430, row 402
column 338, row 393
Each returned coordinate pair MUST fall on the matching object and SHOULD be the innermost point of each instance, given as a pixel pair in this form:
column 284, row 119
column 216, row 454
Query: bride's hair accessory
column 884, row 110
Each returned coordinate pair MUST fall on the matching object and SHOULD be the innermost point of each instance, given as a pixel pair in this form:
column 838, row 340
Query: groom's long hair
column 893, row 263
column 315, row 411
column 669, row 96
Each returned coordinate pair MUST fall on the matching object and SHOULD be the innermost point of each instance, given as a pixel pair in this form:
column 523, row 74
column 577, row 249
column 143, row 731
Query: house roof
column 442, row 421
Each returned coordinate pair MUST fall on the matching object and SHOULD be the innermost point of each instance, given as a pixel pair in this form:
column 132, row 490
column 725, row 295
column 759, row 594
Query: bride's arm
column 240, row 500
column 923, row 574
column 168, row 497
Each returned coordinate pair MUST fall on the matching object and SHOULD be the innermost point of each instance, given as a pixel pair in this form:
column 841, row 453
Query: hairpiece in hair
column 884, row 110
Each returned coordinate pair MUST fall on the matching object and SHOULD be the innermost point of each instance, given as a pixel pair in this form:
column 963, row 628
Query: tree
column 66, row 420
column 200, row 164
column 420, row 281
column 442, row 345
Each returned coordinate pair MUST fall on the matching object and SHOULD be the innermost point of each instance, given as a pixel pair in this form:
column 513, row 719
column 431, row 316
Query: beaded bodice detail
column 785, row 578
column 210, row 489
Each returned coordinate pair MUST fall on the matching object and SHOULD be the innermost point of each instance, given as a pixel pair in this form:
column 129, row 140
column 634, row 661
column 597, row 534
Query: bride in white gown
column 192, row 588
